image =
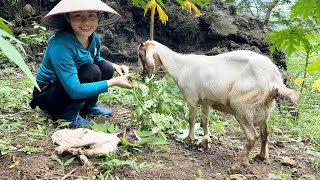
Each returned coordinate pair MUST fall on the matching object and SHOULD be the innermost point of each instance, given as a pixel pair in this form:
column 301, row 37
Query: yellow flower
column 152, row 4
column 190, row 6
column 316, row 86
column 298, row 82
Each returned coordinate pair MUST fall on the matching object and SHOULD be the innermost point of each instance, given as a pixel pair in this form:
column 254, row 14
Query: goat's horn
column 141, row 43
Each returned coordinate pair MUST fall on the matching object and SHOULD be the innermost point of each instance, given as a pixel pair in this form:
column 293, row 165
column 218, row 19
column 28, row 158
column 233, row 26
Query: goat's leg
column 192, row 118
column 62, row 148
column 91, row 152
column 204, row 121
column 75, row 150
column 100, row 149
column 251, row 137
column 264, row 133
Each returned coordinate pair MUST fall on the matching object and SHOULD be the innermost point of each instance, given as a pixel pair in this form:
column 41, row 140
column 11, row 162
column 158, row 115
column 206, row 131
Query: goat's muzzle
column 146, row 68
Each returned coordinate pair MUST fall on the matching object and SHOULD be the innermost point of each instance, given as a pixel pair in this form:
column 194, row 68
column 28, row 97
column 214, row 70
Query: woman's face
column 83, row 23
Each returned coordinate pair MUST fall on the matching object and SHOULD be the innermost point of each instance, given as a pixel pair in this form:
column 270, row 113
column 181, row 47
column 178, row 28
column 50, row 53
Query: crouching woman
column 72, row 73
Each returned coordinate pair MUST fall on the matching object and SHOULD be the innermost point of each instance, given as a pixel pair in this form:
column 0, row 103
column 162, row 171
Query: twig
column 64, row 177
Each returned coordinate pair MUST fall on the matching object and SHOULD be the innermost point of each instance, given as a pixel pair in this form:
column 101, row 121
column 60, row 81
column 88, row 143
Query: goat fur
column 242, row 83
column 85, row 142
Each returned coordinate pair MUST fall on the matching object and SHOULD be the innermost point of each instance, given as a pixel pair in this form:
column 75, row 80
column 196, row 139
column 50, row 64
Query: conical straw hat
column 56, row 18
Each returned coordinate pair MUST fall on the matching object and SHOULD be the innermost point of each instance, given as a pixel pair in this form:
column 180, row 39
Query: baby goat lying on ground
column 242, row 83
column 86, row 142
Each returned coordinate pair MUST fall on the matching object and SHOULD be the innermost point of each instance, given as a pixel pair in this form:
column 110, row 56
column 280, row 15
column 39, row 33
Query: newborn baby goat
column 86, row 142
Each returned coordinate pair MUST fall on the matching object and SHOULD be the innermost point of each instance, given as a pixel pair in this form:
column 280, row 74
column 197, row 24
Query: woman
column 72, row 73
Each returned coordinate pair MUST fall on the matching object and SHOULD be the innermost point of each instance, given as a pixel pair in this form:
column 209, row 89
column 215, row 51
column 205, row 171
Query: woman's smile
column 83, row 23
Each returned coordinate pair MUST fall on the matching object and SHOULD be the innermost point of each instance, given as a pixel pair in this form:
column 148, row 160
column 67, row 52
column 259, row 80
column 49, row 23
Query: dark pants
column 53, row 98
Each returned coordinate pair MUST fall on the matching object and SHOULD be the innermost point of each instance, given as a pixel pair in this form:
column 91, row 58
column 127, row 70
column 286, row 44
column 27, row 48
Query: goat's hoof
column 235, row 168
column 77, row 152
column 85, row 161
column 188, row 140
column 58, row 150
column 260, row 157
column 205, row 143
column 244, row 163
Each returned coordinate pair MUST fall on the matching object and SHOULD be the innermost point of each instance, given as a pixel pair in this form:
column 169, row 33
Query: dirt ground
column 178, row 161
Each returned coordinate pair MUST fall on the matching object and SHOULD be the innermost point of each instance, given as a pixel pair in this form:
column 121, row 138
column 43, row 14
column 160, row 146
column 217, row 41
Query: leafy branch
column 298, row 38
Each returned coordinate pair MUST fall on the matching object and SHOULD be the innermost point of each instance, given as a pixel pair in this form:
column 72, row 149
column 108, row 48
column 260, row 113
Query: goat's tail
column 288, row 93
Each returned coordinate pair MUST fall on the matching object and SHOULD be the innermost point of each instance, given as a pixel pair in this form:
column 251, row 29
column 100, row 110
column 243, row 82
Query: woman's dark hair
column 67, row 26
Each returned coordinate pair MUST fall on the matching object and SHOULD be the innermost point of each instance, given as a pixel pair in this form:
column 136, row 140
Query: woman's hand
column 121, row 81
column 123, row 69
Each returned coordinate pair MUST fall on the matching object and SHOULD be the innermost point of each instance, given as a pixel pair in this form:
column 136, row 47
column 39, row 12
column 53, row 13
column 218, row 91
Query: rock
column 286, row 161
column 237, row 177
column 218, row 29
column 28, row 11
column 307, row 177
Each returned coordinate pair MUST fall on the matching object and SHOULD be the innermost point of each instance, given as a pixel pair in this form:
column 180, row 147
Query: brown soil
column 178, row 160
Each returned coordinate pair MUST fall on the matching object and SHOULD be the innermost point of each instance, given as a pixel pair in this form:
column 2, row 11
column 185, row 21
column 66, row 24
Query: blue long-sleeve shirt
column 64, row 55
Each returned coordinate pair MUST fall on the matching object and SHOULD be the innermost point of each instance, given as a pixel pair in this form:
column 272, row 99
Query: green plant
column 29, row 149
column 160, row 106
column 106, row 127
column 35, row 43
column 278, row 176
column 150, row 138
column 300, row 39
column 11, row 9
column 264, row 10
column 314, row 163
column 112, row 161
column 4, row 146
column 200, row 174
column 62, row 163
column 13, row 50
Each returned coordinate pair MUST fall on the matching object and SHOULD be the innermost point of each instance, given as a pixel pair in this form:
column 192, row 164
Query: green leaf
column 290, row 40
column 200, row 3
column 161, row 3
column 162, row 135
column 180, row 2
column 144, row 133
column 142, row 3
column 314, row 67
column 113, row 128
column 126, row 143
column 117, row 162
column 13, row 54
column 12, row 38
column 5, row 27
column 305, row 9
column 55, row 157
column 69, row 161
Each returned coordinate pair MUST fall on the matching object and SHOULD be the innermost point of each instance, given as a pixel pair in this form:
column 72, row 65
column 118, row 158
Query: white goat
column 85, row 142
column 242, row 83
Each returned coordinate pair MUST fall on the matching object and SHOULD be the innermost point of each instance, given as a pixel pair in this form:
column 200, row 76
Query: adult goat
column 242, row 83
